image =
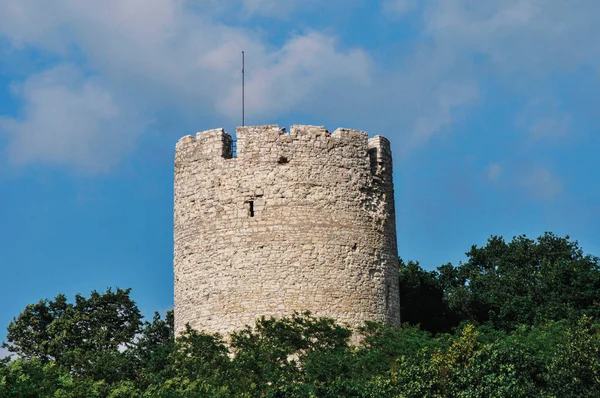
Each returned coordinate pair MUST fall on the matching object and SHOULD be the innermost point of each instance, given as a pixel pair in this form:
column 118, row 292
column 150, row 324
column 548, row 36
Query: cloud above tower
column 85, row 70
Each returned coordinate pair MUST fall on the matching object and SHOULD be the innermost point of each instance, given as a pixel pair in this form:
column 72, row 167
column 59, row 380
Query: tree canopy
column 504, row 284
column 516, row 319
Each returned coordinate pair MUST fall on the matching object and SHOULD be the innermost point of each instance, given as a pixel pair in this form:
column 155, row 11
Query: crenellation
column 306, row 132
column 380, row 155
column 254, row 143
column 205, row 148
column 184, row 141
column 295, row 222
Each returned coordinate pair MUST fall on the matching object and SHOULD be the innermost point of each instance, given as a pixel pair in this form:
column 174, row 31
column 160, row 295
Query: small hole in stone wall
column 251, row 208
column 283, row 160
column 354, row 247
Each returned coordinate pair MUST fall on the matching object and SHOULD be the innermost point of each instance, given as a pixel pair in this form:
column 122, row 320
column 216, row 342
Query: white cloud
column 534, row 180
column 68, row 119
column 463, row 44
column 285, row 78
column 543, row 121
column 445, row 100
column 147, row 59
column 271, row 7
column 519, row 36
column 399, row 7
column 182, row 56
column 524, row 43
column 541, row 183
column 493, row 171
column 550, row 127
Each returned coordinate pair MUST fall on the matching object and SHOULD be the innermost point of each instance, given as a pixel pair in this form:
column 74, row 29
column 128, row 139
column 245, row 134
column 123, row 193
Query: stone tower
column 292, row 223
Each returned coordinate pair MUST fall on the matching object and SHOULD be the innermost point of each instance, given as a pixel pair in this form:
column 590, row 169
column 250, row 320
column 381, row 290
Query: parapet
column 380, row 154
column 206, row 145
column 257, row 144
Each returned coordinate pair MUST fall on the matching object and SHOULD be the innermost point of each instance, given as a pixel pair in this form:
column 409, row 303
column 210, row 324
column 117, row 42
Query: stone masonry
column 292, row 223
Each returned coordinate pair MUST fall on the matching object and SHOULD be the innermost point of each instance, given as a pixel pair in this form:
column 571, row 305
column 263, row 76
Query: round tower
column 283, row 223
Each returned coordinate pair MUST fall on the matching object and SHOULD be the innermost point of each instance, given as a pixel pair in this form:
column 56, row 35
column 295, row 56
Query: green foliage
column 383, row 345
column 199, row 359
column 86, row 336
column 525, row 282
column 472, row 369
column 153, row 348
column 504, row 284
column 25, row 378
column 422, row 299
column 574, row 371
column 518, row 319
column 270, row 356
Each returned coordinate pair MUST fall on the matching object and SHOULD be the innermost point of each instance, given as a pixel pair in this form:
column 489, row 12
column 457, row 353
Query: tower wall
column 293, row 223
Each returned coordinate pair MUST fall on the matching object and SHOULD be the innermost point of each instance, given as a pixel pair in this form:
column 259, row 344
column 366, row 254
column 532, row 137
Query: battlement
column 259, row 144
column 380, row 155
column 206, row 145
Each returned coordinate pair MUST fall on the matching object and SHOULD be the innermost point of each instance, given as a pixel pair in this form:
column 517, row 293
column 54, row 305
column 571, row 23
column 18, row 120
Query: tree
column 575, row 369
column 382, row 345
column 153, row 349
column 529, row 313
column 197, row 366
column 422, row 299
column 88, row 337
column 524, row 282
column 30, row 378
column 282, row 353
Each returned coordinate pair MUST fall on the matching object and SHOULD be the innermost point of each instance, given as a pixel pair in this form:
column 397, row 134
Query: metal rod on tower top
column 243, row 88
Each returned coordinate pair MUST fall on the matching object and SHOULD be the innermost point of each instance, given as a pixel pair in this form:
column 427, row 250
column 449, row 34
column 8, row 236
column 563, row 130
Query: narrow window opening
column 251, row 206
column 283, row 160
column 234, row 149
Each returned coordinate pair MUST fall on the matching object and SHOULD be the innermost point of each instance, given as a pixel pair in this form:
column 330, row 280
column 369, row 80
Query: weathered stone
column 293, row 223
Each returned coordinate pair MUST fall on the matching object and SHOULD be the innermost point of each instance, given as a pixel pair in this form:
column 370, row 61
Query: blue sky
column 491, row 107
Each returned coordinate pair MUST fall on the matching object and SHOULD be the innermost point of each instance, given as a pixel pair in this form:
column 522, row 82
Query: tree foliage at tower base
column 482, row 347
